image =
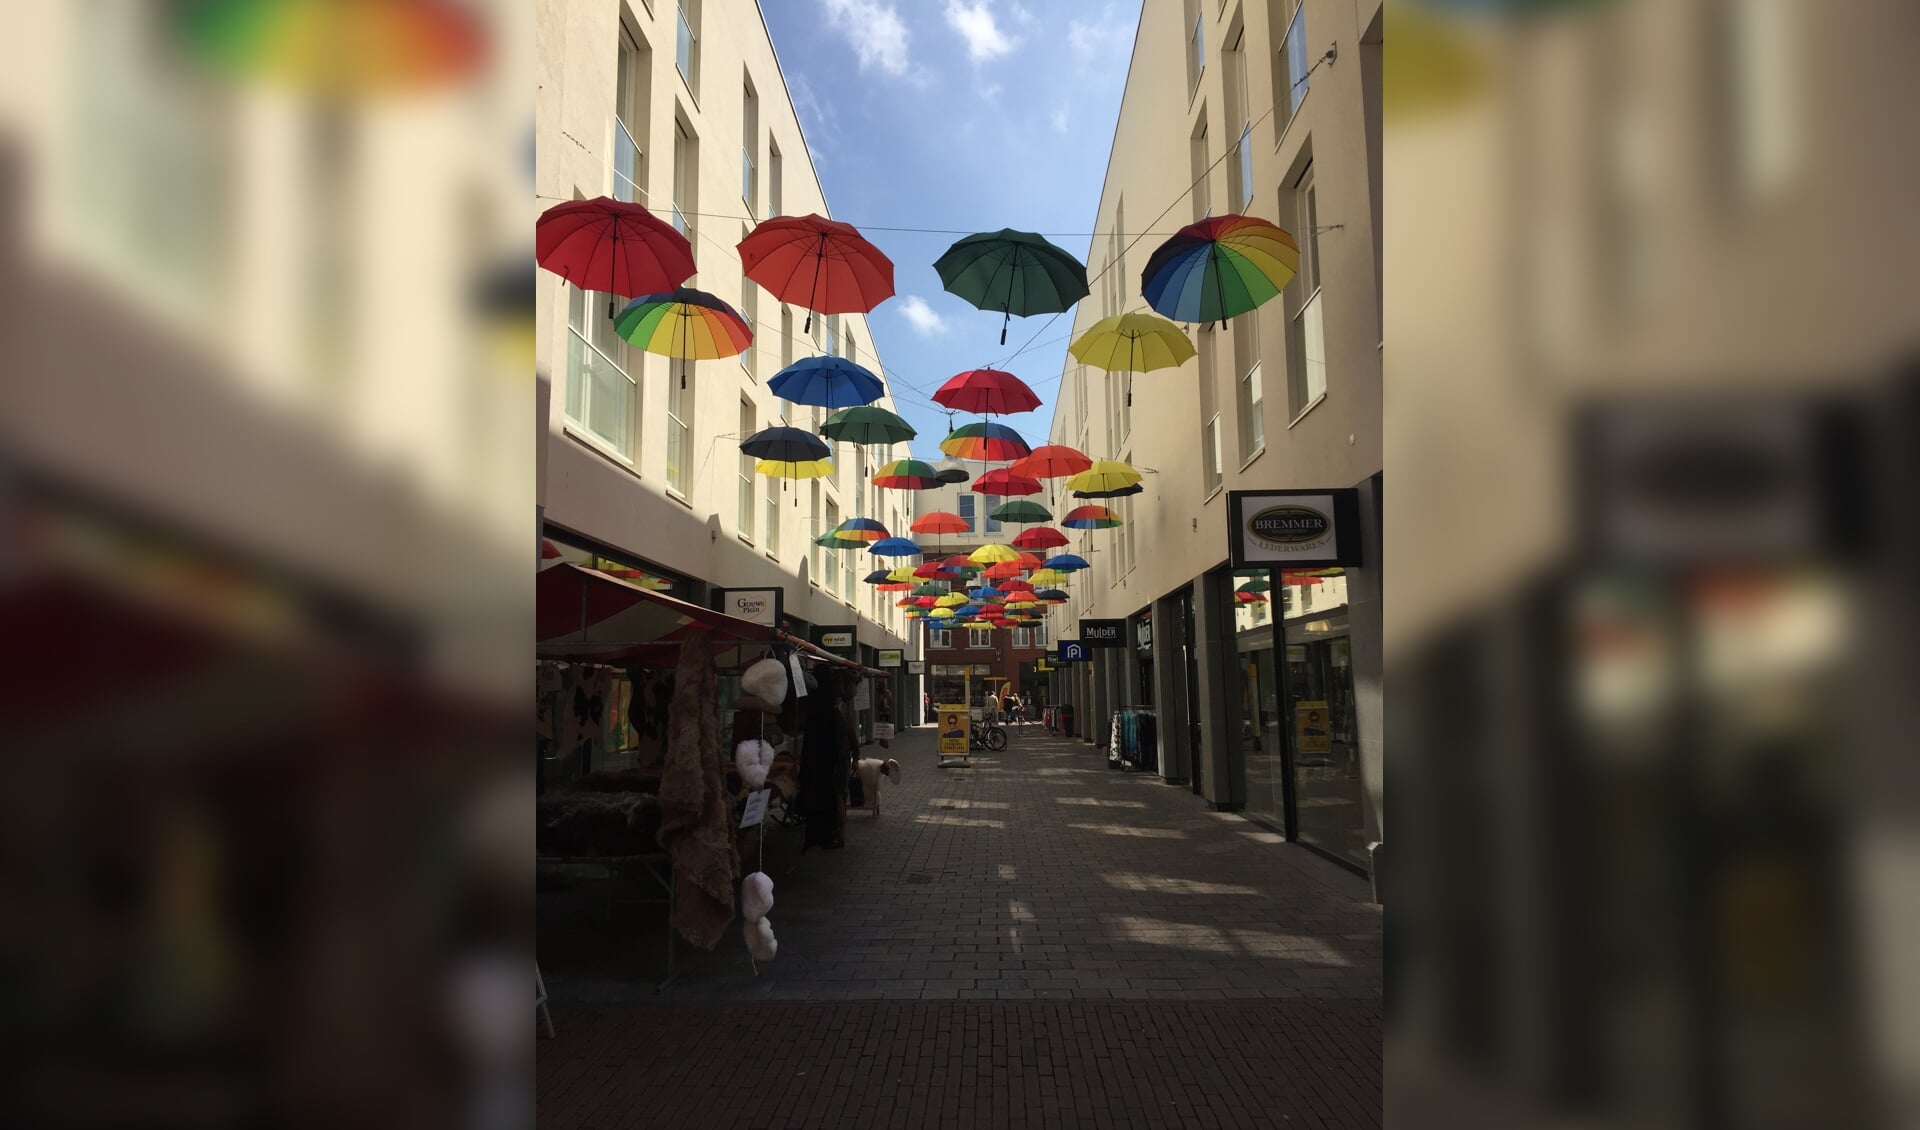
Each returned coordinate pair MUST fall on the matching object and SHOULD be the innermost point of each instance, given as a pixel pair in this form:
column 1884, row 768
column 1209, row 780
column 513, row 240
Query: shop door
column 1190, row 657
column 1328, row 799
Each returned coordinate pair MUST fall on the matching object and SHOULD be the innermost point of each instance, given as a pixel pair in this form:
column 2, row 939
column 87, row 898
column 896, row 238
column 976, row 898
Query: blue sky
column 968, row 115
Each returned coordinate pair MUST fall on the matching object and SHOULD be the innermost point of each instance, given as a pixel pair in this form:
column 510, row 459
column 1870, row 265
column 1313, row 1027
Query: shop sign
column 1310, row 733
column 890, row 658
column 862, row 698
column 1073, row 651
column 1145, row 632
column 835, row 637
column 1294, row 527
column 1103, row 633
column 954, row 721
column 757, row 606
column 916, row 666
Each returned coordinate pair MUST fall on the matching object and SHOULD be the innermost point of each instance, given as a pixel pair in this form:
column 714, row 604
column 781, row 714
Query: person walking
column 1016, row 710
column 993, row 707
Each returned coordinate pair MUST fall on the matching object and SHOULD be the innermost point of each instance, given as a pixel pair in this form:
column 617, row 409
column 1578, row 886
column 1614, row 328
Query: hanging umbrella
column 894, row 547
column 904, row 602
column 686, row 324
column 950, row 471
column 1256, row 584
column 1107, row 474
column 1067, row 563
column 950, row 600
column 1051, row 461
column 821, row 264
column 984, row 593
column 987, row 392
column 1016, row 585
column 932, row 570
column 548, row 550
column 1133, row 343
column 1218, row 268
column 900, row 573
column 1003, row 570
column 788, row 453
column 1001, row 481
column 892, row 586
column 993, row 554
column 985, row 442
column 939, row 522
column 795, row 469
column 1117, row 492
column 1090, row 518
column 836, row 539
column 1040, row 537
column 865, row 529
column 906, row 474
column 1027, row 560
column 1049, row 577
column 827, row 382
column 1021, row 511
column 865, row 424
column 1014, row 272
column 1250, row 598
column 336, row 50
column 611, row 246
column 877, row 577
column 941, row 613
column 1051, row 596
column 929, row 592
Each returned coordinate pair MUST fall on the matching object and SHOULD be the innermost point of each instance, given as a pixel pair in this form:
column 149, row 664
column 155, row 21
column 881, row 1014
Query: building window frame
column 749, row 500
column 579, row 408
column 1306, row 373
column 686, row 55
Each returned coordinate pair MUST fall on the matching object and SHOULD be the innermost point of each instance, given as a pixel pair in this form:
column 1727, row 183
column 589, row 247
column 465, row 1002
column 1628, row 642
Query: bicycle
column 987, row 736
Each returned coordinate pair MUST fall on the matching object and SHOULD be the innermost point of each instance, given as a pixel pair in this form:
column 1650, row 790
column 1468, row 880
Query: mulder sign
column 1103, row 633
column 1295, row 527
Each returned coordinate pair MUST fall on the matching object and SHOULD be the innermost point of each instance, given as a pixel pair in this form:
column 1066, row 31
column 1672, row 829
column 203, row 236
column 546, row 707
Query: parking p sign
column 1073, row 651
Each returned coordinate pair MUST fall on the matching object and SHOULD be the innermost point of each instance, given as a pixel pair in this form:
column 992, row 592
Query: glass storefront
column 1298, row 722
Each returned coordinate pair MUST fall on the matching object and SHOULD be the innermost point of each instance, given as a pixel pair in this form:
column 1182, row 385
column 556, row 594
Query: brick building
column 971, row 661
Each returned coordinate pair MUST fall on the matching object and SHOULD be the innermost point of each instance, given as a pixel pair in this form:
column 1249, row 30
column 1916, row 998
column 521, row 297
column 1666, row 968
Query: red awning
column 581, row 613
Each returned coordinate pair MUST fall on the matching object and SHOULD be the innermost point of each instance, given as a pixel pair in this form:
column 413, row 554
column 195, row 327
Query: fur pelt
column 756, row 895
column 695, row 828
column 569, row 823
column 760, row 940
column 871, row 769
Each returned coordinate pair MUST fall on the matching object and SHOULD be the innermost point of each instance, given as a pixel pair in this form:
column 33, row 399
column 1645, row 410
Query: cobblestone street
column 1037, row 939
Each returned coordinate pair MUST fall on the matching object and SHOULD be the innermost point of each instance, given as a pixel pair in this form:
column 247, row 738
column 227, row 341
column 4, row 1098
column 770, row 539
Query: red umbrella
column 821, row 264
column 1052, row 461
column 548, row 550
column 932, row 569
column 1018, row 584
column 1040, row 537
column 1002, row 481
column 611, row 246
column 939, row 522
column 1004, row 569
column 987, row 391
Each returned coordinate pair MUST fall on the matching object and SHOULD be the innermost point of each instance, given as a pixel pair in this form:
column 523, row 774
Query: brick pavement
column 980, row 953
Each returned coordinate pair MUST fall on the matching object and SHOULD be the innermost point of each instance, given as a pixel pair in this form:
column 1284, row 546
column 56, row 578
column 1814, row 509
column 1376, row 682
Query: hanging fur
column 752, row 758
column 695, row 828
column 756, row 896
column 766, row 681
column 760, row 940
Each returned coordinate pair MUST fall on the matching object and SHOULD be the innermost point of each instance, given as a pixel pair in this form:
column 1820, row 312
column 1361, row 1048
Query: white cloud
column 875, row 31
column 1060, row 119
column 976, row 24
column 925, row 319
column 991, row 92
column 1021, row 14
column 1098, row 39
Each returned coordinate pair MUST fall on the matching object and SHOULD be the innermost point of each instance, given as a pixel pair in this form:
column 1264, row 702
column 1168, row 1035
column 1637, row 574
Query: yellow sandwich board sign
column 954, row 723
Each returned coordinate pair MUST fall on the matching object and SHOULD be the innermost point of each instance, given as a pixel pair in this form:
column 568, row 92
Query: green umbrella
column 838, row 539
column 1257, row 584
column 1021, row 511
column 866, row 425
column 1014, row 272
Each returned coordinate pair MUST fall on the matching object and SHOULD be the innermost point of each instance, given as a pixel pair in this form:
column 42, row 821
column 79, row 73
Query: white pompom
column 760, row 941
column 756, row 895
column 752, row 758
column 767, row 680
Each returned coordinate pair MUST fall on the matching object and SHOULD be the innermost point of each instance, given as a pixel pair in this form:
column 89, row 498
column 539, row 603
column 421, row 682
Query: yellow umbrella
column 1048, row 577
column 1130, row 342
column 951, row 600
column 942, row 613
column 1104, row 475
column 903, row 573
column 808, row 469
column 994, row 554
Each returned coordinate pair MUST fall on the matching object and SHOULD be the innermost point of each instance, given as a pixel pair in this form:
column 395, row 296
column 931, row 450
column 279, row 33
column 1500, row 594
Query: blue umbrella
column 1067, row 562
column 827, row 382
column 877, row 577
column 894, row 547
column 985, row 592
column 965, row 611
column 785, row 445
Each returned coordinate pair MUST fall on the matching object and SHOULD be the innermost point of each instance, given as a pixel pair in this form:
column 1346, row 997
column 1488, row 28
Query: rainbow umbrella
column 894, row 547
column 866, row 529
column 1219, row 268
column 987, row 442
column 835, row 539
column 1090, row 518
column 685, row 324
column 1142, row 342
column 1040, row 537
column 1021, row 511
column 906, row 474
column 1107, row 474
column 1067, row 563
column 337, row 48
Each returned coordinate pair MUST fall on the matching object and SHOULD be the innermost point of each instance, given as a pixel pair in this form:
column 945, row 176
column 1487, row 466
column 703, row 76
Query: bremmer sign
column 1294, row 527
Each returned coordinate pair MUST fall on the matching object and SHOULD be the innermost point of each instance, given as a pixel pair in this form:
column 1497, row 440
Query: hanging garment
column 695, row 821
column 826, row 758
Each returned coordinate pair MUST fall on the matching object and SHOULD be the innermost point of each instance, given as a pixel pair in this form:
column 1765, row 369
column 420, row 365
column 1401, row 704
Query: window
column 833, row 335
column 1196, row 44
column 747, row 500
column 979, row 637
column 687, row 52
column 1760, row 92
column 750, row 149
column 1306, row 345
column 771, row 488
column 1040, row 634
column 1240, row 173
column 686, row 178
column 993, row 524
column 830, row 558
column 679, row 426
column 1209, row 411
column 1246, row 363
column 775, row 171
column 1022, row 637
column 968, row 502
column 853, row 349
column 940, row 637
column 1200, row 170
column 632, row 86
column 1080, row 396
column 786, row 335
column 600, row 395
column 1129, row 548
column 750, row 310
column 1289, row 61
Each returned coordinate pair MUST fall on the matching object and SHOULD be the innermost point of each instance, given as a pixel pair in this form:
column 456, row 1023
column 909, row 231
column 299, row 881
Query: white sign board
column 1294, row 527
column 758, row 606
column 862, row 697
column 756, row 808
column 833, row 640
column 883, row 731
